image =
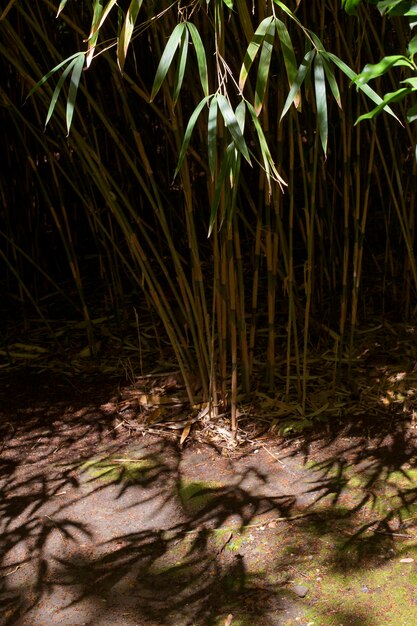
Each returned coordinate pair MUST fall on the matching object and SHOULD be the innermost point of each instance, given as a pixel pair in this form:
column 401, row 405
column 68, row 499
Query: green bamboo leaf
column 50, row 73
column 252, row 50
column 412, row 114
column 229, row 4
column 287, row 48
column 233, row 126
column 331, row 79
column 269, row 165
column 412, row 81
column 92, row 39
column 301, row 74
column 188, row 132
column 219, row 186
column 289, row 13
column 127, row 32
column 182, row 62
column 212, row 136
column 321, row 101
column 412, row 45
column 394, row 96
column 101, row 21
column 58, row 88
column 368, row 91
column 263, row 68
column 201, row 57
column 245, row 18
column 350, row 6
column 73, row 89
column 241, row 114
column 372, row 70
column 61, row 7
column 166, row 58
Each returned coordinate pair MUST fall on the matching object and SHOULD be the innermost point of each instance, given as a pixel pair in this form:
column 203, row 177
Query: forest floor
column 107, row 521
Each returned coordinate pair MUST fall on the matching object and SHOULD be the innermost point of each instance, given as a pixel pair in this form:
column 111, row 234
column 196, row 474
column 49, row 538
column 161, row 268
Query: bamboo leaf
column 321, row 101
column 60, row 8
column 269, row 165
column 127, row 32
column 104, row 15
column 263, row 69
column 412, row 45
column 182, row 62
column 57, row 90
column 412, row 114
column 368, row 91
column 229, row 4
column 92, row 39
column 233, row 126
column 73, row 89
column 394, row 96
column 201, row 56
column 50, row 73
column 245, row 18
column 188, row 132
column 372, row 70
column 219, row 186
column 252, row 50
column 301, row 74
column 350, row 6
column 287, row 50
column 331, row 79
column 166, row 58
column 212, row 136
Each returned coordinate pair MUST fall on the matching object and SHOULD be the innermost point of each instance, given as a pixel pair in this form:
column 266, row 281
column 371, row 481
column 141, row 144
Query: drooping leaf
column 127, row 32
column 225, row 167
column 229, row 4
column 263, row 68
column 245, row 18
column 412, row 45
column 351, row 6
column 103, row 17
column 252, row 50
column 394, row 96
column 61, row 7
column 188, row 132
column 298, row 81
column 58, row 88
column 412, row 114
column 412, row 82
column 374, row 70
column 328, row 70
column 212, row 136
column 287, row 48
column 233, row 126
column 269, row 165
column 182, row 62
column 321, row 101
column 367, row 90
column 51, row 72
column 73, row 89
column 201, row 56
column 92, row 39
column 166, row 58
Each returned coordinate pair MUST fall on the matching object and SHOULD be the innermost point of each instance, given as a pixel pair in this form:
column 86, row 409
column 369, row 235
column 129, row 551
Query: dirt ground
column 104, row 524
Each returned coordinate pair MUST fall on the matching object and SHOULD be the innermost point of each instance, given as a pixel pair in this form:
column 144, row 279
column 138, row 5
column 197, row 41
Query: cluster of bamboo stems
column 251, row 215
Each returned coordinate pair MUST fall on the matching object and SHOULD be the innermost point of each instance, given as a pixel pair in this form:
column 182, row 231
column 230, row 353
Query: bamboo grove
column 201, row 162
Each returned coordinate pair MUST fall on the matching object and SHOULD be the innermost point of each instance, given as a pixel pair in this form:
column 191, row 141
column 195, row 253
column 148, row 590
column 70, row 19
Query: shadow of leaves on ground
column 96, row 527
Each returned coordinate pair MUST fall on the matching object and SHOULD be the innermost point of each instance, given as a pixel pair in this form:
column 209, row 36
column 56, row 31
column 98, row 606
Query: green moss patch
column 118, row 469
column 196, row 495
